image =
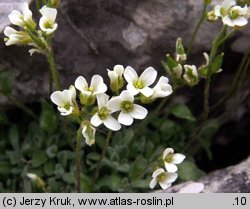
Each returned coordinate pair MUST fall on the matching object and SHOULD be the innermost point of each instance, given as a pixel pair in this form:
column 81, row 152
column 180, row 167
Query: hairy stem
column 78, row 161
column 197, row 28
column 97, row 170
column 216, row 43
column 53, row 70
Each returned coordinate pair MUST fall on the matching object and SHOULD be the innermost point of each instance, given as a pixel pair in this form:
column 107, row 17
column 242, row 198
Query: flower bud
column 180, row 51
column 116, row 79
column 40, row 184
column 172, row 67
column 190, row 75
column 211, row 16
column 88, row 131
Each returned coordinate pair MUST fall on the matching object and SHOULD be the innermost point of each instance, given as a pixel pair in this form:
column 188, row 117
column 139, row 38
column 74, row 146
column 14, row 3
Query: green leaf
column 189, row 171
column 6, row 82
column 137, row 168
column 48, row 118
column 51, row 151
column 64, row 156
column 93, row 156
column 14, row 137
column 39, row 158
column 49, row 168
column 69, row 178
column 216, row 65
column 141, row 184
column 85, row 183
column 183, row 112
column 59, row 171
column 124, row 168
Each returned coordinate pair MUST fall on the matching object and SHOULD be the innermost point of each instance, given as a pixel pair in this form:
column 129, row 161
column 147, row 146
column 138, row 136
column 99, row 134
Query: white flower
column 32, row 176
column 16, row 37
column 64, row 100
column 129, row 110
column 47, row 22
column 171, row 159
column 162, row 88
column 22, row 19
column 97, row 85
column 116, row 79
column 104, row 114
column 140, row 84
column 231, row 14
column 191, row 75
column 88, row 132
column 165, row 179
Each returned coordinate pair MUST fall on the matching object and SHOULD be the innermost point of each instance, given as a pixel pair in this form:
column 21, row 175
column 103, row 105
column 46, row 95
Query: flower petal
column 167, row 151
column 227, row 21
column 148, row 76
column 240, row 21
column 227, row 4
column 171, row 177
column 81, row 84
column 165, row 185
column 15, row 18
column 130, row 75
column 95, row 120
column 125, row 119
column 153, row 183
column 132, row 89
column 217, row 10
column 27, row 14
column 178, row 158
column 98, row 85
column 119, row 69
column 49, row 13
column 114, row 104
column 9, row 31
column 170, row 167
column 102, row 100
column 112, row 123
column 57, row 98
column 126, row 96
column 157, row 172
column 139, row 112
column 65, row 112
column 147, row 92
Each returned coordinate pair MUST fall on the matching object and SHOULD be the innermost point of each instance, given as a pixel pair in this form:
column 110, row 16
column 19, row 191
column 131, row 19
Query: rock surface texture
column 95, row 35
column 234, row 179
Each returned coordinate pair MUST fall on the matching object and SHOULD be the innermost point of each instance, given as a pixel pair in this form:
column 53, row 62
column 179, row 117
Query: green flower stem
column 237, row 80
column 197, row 28
column 216, row 43
column 78, row 160
column 20, row 105
column 53, row 70
column 97, row 170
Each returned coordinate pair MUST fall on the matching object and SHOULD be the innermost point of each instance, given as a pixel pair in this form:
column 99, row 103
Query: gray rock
column 98, row 34
column 234, row 179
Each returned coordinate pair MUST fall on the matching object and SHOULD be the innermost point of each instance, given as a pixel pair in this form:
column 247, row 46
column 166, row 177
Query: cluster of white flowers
column 104, row 112
column 232, row 14
column 165, row 177
column 29, row 35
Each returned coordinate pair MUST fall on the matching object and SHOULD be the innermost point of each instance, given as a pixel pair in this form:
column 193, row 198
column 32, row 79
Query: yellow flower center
column 103, row 113
column 139, row 84
column 127, row 106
